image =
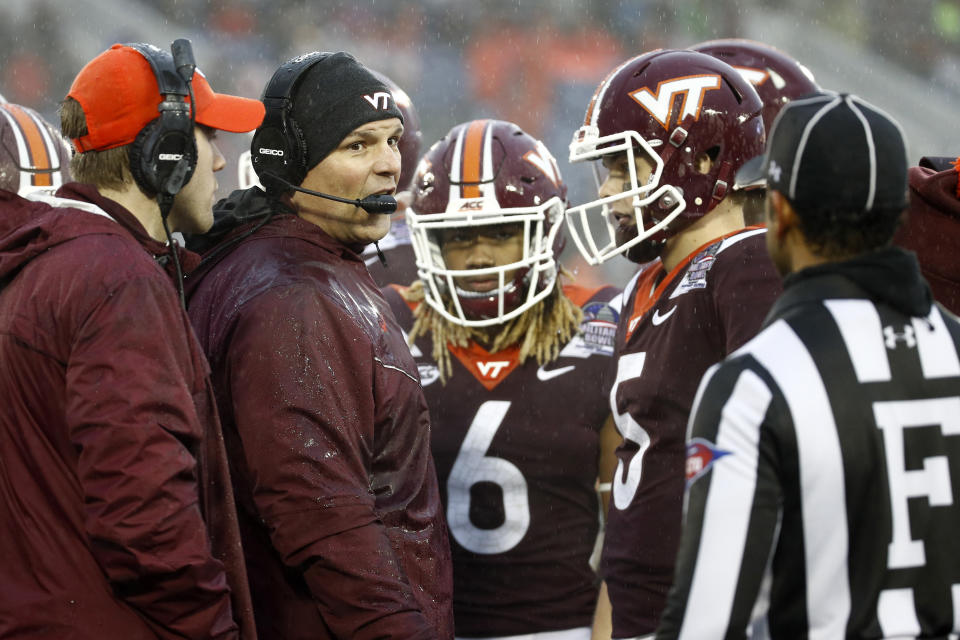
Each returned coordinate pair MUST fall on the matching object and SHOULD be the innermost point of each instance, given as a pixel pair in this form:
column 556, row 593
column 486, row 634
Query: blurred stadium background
column 535, row 62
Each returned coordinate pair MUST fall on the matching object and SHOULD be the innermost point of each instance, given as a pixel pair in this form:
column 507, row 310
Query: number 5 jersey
column 673, row 327
column 516, row 448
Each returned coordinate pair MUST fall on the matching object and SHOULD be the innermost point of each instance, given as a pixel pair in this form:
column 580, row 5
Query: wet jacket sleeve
column 300, row 373
column 131, row 419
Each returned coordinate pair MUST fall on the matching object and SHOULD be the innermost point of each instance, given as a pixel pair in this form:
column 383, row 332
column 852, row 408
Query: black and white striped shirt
column 823, row 466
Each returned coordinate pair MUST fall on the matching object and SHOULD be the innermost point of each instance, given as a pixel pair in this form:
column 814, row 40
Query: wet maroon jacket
column 105, row 409
column 328, row 433
column 932, row 228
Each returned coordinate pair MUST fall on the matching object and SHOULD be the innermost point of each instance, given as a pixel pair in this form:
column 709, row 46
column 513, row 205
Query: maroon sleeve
column 301, row 376
column 747, row 284
column 131, row 419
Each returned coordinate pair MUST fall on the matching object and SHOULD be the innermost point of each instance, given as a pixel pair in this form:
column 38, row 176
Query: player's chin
column 624, row 233
column 645, row 251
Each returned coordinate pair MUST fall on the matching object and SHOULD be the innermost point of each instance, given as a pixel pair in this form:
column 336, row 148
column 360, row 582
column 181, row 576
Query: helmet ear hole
column 705, row 160
column 703, row 163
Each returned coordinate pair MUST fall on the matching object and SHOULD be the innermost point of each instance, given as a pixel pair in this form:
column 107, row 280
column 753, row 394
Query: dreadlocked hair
column 541, row 331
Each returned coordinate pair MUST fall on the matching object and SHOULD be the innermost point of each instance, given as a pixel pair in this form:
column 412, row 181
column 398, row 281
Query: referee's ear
column 781, row 217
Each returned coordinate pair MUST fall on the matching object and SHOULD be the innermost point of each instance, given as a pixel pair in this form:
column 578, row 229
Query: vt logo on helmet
column 670, row 129
column 486, row 183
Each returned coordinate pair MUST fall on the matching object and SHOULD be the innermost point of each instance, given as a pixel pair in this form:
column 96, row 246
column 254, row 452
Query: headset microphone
column 380, row 203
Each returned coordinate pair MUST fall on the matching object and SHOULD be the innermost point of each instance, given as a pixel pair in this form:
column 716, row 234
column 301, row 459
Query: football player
column 511, row 363
column 777, row 77
column 33, row 154
column 669, row 129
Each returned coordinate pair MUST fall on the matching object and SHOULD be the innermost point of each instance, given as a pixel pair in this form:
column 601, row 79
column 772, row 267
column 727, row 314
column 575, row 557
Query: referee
column 823, row 457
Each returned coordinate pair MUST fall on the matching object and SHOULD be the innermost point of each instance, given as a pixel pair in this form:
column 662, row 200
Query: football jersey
column 673, row 327
column 516, row 449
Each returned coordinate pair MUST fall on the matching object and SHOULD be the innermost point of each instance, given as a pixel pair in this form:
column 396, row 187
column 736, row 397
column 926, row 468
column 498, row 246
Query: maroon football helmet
column 484, row 173
column 675, row 108
column 777, row 77
column 33, row 154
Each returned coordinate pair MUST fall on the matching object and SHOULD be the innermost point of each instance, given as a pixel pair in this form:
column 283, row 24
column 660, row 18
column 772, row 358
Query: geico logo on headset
column 174, row 157
column 271, row 152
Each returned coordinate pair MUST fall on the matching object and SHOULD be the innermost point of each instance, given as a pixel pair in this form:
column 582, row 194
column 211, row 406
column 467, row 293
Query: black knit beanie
column 335, row 96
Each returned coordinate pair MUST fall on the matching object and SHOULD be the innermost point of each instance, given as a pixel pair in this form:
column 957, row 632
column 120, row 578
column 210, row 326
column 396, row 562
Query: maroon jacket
column 105, row 404
column 932, row 230
column 329, row 437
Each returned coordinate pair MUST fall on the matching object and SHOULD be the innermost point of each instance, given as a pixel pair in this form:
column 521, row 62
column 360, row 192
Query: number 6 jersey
column 516, row 449
column 673, row 327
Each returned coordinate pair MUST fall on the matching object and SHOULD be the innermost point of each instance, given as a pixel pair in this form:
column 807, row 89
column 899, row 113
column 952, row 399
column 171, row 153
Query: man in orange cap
column 116, row 509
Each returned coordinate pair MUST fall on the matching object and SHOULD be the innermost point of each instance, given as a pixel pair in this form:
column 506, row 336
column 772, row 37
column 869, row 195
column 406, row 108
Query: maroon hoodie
column 107, row 411
column 932, row 230
column 329, row 439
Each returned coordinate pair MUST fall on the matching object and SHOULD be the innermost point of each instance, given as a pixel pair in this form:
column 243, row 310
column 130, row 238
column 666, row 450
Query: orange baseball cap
column 119, row 94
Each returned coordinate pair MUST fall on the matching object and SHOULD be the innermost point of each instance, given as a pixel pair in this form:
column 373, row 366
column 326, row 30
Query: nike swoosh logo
column 546, row 374
column 660, row 319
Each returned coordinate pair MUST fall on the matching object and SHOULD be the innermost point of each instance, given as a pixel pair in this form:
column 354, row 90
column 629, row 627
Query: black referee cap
column 833, row 152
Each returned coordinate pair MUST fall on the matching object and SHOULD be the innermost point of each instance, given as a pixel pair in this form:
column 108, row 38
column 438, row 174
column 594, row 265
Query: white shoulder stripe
column 55, row 201
column 862, row 332
column 726, row 517
column 823, row 497
column 629, row 291
column 732, row 240
column 938, row 355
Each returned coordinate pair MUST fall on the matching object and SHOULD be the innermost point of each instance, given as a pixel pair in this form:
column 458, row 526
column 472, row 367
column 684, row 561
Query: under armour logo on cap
column 774, row 171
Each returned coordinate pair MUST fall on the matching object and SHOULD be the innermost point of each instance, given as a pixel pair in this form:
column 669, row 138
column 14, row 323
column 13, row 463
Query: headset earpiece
column 278, row 147
column 164, row 155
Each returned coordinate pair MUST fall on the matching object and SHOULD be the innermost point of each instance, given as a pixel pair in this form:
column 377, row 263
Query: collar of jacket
column 159, row 250
column 294, row 226
column 244, row 209
column 890, row 276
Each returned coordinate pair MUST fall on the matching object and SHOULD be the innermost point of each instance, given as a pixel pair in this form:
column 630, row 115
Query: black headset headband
column 285, row 78
column 278, row 148
column 168, row 79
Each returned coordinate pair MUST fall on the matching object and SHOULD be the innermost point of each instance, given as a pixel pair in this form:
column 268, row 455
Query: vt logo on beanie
column 375, row 100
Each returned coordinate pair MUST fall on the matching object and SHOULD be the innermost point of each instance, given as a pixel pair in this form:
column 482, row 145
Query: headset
column 279, row 151
column 163, row 156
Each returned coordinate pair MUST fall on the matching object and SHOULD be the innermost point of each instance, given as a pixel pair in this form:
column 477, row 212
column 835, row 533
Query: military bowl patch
column 701, row 454
column 599, row 327
column 696, row 275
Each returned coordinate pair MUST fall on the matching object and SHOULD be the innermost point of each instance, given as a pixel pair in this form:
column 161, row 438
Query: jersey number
column 472, row 466
column 896, row 608
column 625, row 485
